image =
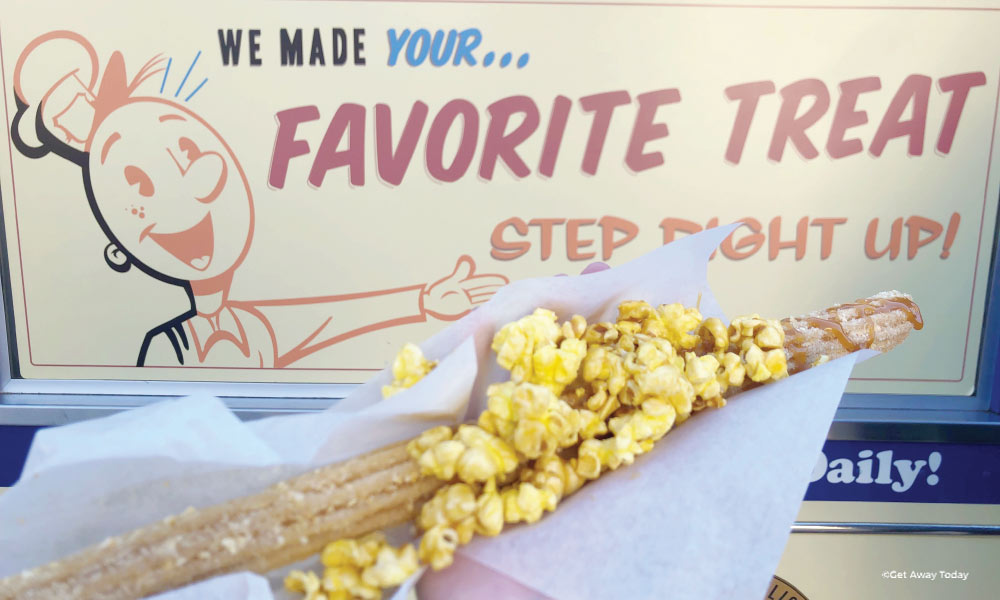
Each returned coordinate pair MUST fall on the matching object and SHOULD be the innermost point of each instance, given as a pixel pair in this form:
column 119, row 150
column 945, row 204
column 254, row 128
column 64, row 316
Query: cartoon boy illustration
column 175, row 203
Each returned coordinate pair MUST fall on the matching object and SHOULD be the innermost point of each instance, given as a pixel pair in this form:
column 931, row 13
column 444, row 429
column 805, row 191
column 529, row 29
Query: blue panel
column 14, row 444
column 907, row 472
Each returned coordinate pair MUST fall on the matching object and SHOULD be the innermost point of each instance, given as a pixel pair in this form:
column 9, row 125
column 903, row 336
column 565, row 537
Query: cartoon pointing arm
column 304, row 326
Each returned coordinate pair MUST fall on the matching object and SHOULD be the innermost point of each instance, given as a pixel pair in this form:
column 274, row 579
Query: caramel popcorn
column 733, row 371
column 675, row 323
column 353, row 552
column 536, row 350
column 451, row 505
column 489, row 511
column 356, row 569
column 668, row 383
column 554, row 474
column 763, row 366
column 532, row 418
column 602, row 365
column 392, row 567
column 516, row 342
column 437, row 546
column 427, row 440
column 408, row 368
column 344, row 583
column 487, row 456
column 305, row 583
column 595, row 456
column 526, row 502
column 651, row 422
column 701, row 372
column 473, row 454
column 715, row 331
column 582, row 399
column 441, row 460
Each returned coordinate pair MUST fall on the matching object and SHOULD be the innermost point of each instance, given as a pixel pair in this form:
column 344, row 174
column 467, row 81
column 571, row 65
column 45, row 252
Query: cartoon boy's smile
column 192, row 246
column 170, row 191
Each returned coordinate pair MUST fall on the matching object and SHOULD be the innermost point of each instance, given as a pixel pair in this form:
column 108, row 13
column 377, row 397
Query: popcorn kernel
column 427, row 439
column 442, row 459
column 489, row 511
column 392, row 567
column 437, row 547
column 408, row 368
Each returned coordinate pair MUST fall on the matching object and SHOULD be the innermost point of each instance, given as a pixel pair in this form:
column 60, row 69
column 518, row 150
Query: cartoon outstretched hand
column 451, row 297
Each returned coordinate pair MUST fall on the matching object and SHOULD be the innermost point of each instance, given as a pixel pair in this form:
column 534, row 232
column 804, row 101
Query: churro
column 285, row 523
column 880, row 322
column 583, row 399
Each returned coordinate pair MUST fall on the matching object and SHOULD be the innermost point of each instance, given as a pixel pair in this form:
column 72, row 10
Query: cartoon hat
column 59, row 103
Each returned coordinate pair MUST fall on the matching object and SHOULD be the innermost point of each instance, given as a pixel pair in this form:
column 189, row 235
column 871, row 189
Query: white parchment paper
column 706, row 514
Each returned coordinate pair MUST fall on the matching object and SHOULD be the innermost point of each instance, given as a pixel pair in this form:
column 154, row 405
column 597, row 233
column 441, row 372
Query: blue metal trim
column 893, row 528
column 989, row 361
column 14, row 444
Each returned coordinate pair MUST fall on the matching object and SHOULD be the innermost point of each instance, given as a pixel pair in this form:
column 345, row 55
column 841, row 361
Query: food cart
column 263, row 201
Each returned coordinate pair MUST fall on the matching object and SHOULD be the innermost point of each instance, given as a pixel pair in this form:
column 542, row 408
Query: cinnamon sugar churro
column 283, row 524
column 582, row 400
column 880, row 322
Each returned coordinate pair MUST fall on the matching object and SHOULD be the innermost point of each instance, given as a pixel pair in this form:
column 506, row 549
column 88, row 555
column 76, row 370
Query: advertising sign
column 288, row 191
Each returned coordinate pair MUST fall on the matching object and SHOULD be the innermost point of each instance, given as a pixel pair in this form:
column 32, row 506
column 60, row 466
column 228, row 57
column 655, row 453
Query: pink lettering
column 603, row 106
column 554, row 135
column 846, row 117
column 918, row 89
column 286, row 147
column 439, row 132
column 391, row 165
column 959, row 86
column 499, row 145
column 348, row 117
column 748, row 95
column 611, row 225
column 645, row 130
column 788, row 127
column 504, row 250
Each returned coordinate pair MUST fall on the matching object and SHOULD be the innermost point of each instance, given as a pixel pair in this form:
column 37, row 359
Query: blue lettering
column 468, row 41
column 415, row 54
column 396, row 44
column 440, row 57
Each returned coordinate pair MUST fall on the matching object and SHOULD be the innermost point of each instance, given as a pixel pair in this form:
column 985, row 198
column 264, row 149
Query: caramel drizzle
column 836, row 328
column 831, row 323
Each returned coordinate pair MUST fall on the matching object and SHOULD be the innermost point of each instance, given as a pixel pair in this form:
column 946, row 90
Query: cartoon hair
column 60, row 105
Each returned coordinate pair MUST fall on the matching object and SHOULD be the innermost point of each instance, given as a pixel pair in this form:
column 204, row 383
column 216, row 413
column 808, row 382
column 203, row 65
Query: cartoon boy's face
column 170, row 190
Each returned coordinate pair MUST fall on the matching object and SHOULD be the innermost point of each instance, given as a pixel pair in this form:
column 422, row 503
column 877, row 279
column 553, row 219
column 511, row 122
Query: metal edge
column 8, row 352
column 973, row 427
column 989, row 361
column 893, row 528
column 50, row 411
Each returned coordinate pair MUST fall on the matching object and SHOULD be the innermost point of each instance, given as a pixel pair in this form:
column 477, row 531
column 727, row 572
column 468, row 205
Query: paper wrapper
column 706, row 514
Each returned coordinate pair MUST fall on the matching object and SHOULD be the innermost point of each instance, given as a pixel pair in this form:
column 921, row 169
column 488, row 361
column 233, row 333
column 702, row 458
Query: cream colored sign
column 830, row 566
column 782, row 590
column 288, row 191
